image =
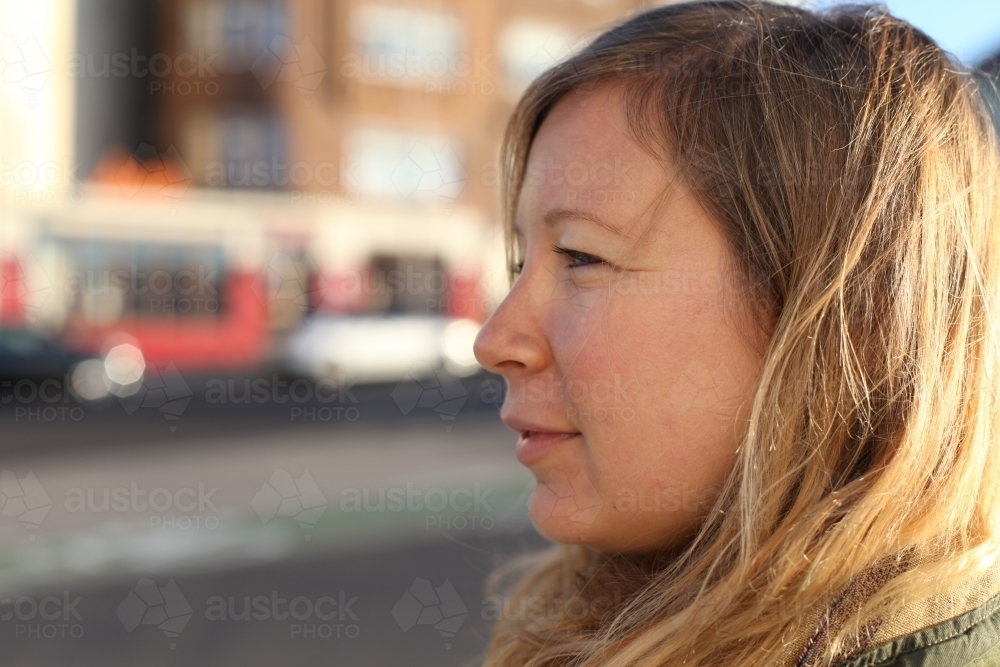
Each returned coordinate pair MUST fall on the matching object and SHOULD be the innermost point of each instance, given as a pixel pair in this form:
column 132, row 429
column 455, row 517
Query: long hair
column 854, row 169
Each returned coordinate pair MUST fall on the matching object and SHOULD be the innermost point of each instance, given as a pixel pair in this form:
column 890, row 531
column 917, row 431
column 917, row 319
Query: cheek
column 664, row 384
column 656, row 387
column 629, row 356
column 577, row 331
column 687, row 364
column 583, row 349
column 574, row 314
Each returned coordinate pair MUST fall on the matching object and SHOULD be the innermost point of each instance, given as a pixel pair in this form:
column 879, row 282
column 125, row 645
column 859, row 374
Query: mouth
column 533, row 445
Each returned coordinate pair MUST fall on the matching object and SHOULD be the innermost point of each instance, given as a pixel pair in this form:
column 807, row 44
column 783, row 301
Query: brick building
column 402, row 100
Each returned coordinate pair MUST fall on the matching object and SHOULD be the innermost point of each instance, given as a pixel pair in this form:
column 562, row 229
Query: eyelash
column 580, row 259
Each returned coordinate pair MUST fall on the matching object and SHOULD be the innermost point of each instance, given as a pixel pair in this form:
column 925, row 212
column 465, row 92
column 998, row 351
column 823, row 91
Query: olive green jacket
column 969, row 640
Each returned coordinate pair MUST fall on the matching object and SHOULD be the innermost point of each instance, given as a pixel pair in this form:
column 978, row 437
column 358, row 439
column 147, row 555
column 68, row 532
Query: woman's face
column 626, row 349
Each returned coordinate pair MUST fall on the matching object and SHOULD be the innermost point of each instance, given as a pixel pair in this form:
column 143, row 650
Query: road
column 125, row 537
column 37, row 417
column 366, row 633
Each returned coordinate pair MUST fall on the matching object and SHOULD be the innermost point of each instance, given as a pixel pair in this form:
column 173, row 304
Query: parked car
column 26, row 355
column 382, row 348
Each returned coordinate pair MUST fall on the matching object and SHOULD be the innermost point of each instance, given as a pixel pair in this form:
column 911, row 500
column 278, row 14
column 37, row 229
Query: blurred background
column 245, row 246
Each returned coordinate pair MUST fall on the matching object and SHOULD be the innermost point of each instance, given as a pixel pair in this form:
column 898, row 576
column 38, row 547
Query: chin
column 562, row 514
column 565, row 532
column 566, row 516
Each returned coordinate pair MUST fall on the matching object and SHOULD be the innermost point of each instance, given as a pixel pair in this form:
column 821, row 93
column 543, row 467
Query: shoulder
column 969, row 640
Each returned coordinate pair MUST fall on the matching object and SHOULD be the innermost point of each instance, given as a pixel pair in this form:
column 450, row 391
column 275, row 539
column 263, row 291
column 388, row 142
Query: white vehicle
column 382, row 348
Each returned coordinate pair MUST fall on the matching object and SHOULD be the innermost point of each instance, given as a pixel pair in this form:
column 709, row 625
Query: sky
column 970, row 29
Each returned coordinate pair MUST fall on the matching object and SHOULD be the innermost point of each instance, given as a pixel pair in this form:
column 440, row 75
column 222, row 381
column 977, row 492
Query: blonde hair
column 854, row 169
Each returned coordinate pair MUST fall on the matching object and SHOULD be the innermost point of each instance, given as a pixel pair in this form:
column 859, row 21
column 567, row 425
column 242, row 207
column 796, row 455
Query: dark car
column 24, row 354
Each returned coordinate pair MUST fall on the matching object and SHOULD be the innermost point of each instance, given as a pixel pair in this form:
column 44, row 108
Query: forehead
column 595, row 116
column 585, row 157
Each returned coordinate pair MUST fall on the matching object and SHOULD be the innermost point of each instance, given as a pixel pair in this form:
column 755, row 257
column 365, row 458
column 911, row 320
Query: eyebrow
column 556, row 215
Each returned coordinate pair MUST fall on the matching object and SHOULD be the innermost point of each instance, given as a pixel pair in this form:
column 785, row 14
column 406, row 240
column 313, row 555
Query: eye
column 579, row 259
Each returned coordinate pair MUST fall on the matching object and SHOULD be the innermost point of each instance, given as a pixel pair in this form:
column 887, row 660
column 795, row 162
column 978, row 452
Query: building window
column 399, row 165
column 253, row 150
column 404, row 47
column 241, row 150
column 114, row 281
column 238, row 31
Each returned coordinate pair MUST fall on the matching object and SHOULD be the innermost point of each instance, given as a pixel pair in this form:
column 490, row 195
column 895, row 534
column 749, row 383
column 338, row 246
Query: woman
column 751, row 346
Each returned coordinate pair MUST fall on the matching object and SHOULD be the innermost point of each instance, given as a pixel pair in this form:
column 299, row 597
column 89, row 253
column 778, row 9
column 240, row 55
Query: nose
column 512, row 343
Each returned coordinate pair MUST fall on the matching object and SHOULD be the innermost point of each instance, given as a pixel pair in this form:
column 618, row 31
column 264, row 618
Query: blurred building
column 394, row 108
column 345, row 98
column 338, row 156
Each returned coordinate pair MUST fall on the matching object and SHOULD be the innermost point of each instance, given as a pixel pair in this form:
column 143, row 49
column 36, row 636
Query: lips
column 536, row 438
column 533, row 445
